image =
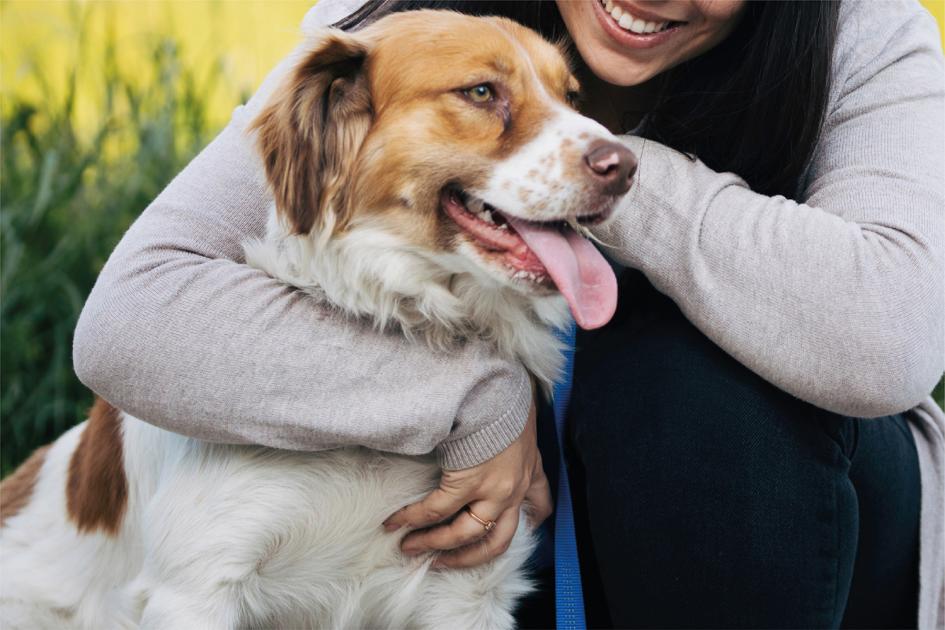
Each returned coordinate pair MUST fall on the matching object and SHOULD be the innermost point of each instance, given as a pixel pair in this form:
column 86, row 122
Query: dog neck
column 442, row 299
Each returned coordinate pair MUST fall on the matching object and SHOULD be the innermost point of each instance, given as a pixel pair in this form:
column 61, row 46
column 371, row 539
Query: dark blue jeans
column 707, row 497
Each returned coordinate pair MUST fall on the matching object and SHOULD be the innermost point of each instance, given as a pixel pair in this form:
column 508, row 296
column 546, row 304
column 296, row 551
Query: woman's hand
column 493, row 490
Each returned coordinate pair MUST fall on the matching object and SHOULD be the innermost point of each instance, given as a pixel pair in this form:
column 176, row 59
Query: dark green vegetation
column 66, row 197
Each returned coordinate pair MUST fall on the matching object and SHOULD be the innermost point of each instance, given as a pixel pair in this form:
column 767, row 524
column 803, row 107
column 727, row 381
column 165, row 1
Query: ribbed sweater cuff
column 475, row 448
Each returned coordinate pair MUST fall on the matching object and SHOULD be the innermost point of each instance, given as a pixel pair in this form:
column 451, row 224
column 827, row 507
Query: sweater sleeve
column 839, row 299
column 180, row 332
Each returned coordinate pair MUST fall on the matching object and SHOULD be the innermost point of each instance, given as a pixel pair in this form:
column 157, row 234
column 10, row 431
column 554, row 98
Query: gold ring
column 488, row 525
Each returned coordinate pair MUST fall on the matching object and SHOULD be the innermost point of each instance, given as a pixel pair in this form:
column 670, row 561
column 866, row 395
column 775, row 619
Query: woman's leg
column 712, row 497
column 885, row 475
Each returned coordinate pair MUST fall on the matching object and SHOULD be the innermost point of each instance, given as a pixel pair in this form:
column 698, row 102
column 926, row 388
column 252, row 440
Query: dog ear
column 310, row 132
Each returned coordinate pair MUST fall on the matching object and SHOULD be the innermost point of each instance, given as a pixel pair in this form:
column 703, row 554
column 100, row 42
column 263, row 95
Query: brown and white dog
column 430, row 174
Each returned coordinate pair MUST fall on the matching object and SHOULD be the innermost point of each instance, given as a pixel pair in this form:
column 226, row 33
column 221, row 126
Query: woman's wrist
column 491, row 399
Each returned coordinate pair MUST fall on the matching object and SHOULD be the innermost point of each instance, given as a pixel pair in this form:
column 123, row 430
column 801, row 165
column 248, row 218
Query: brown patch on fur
column 96, row 488
column 16, row 490
column 309, row 135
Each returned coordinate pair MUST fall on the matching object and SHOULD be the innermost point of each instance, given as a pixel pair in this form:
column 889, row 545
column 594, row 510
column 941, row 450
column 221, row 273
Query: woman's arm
column 837, row 300
column 179, row 332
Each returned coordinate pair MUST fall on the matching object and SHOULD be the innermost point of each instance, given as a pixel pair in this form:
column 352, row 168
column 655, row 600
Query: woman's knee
column 694, row 465
column 692, row 418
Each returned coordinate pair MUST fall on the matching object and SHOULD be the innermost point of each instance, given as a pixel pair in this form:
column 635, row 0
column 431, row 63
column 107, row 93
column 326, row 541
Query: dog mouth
column 493, row 232
column 541, row 253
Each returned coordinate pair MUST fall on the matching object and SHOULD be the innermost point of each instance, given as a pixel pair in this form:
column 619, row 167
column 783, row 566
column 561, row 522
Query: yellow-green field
column 103, row 102
column 229, row 45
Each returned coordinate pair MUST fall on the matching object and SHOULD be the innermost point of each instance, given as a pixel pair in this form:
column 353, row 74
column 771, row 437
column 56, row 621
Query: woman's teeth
column 628, row 22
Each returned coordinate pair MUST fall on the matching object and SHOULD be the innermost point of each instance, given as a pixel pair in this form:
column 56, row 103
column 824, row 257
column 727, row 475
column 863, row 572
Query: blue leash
column 569, row 597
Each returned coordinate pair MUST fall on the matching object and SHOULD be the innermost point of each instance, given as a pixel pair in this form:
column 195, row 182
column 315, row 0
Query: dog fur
column 119, row 524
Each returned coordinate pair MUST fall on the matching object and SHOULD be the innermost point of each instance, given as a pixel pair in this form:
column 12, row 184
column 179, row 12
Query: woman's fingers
column 492, row 545
column 432, row 509
column 496, row 486
column 463, row 530
column 538, row 503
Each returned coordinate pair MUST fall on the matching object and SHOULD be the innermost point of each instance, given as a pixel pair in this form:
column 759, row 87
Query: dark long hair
column 754, row 105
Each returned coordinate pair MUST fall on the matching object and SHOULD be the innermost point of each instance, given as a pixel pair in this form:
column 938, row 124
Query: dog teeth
column 531, row 276
column 481, row 210
column 476, row 206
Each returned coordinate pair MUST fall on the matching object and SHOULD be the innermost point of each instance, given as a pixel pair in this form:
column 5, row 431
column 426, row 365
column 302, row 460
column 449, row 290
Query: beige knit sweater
column 836, row 298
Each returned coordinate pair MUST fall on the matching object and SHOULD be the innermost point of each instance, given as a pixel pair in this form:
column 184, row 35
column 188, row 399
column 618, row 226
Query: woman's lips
column 629, row 39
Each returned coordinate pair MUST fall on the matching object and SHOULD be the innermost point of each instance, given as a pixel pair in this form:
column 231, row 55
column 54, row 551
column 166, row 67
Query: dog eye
column 481, row 93
column 573, row 97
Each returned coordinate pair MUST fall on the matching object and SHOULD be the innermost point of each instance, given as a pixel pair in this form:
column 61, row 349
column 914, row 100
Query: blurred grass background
column 101, row 104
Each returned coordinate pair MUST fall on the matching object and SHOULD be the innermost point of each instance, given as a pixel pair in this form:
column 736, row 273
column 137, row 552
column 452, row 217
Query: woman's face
column 627, row 42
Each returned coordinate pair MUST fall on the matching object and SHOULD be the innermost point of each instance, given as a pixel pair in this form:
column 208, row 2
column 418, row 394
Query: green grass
column 64, row 204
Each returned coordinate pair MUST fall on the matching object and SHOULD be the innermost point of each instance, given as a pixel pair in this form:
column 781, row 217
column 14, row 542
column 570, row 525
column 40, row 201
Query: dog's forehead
column 549, row 61
column 430, row 47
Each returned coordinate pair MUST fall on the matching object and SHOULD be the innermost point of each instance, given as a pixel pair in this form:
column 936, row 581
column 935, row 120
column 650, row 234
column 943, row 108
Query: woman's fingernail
column 391, row 527
column 410, row 550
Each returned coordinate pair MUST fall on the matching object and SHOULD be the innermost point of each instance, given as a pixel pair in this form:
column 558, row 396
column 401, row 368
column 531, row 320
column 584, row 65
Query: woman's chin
column 620, row 69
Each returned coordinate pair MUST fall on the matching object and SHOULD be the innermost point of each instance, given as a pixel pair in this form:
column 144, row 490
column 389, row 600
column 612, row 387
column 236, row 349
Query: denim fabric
column 713, row 499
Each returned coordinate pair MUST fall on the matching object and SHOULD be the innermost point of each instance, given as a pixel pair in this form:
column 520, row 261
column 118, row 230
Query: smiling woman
column 629, row 48
column 752, row 434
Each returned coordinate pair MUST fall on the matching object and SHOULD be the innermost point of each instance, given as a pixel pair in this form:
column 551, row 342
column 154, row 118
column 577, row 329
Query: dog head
column 457, row 137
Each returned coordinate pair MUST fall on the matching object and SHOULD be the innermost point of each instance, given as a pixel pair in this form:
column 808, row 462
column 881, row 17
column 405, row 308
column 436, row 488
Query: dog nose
column 612, row 165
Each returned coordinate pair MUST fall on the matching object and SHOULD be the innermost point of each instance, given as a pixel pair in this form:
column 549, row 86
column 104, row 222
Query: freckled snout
column 611, row 165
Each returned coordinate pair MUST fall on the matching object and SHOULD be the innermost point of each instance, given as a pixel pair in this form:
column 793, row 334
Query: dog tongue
column 580, row 272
